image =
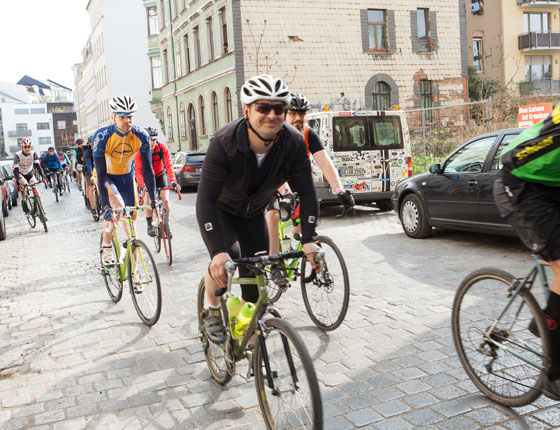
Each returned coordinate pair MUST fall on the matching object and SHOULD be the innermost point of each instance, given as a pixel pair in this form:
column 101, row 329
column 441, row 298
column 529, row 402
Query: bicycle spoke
column 144, row 284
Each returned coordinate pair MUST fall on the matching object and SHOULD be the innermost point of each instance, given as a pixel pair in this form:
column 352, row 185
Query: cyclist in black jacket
column 248, row 159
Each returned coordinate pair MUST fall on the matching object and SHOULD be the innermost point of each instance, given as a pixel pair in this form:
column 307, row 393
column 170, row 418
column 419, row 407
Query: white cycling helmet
column 123, row 105
column 265, row 87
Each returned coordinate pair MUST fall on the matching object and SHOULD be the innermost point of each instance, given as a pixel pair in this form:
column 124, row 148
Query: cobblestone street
column 70, row 358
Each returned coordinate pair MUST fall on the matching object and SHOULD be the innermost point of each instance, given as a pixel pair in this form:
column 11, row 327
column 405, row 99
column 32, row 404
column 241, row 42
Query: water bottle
column 243, row 320
column 286, row 244
column 233, row 306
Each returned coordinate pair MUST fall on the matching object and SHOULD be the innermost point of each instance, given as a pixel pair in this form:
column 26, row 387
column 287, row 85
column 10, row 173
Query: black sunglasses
column 265, row 108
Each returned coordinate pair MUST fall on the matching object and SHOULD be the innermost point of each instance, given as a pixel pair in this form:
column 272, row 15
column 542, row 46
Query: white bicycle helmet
column 26, row 142
column 123, row 105
column 265, row 87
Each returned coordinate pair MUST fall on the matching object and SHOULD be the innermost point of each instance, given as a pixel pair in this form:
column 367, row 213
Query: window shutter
column 391, row 32
column 365, row 32
column 414, row 31
column 433, row 31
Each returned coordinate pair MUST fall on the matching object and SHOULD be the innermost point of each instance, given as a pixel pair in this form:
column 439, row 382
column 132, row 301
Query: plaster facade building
column 516, row 42
column 114, row 62
column 347, row 55
column 32, row 120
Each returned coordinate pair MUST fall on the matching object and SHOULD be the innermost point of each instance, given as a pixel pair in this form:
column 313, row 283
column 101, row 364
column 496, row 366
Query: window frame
column 169, row 123
column 182, row 121
column 375, row 25
column 153, row 22
column 426, row 96
column 423, row 45
column 479, row 58
column 215, row 111
column 210, row 38
column 228, row 105
column 156, row 72
column 197, row 53
column 201, row 113
column 376, row 95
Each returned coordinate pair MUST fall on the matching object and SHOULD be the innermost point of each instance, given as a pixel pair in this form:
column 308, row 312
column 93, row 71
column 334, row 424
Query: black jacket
column 232, row 182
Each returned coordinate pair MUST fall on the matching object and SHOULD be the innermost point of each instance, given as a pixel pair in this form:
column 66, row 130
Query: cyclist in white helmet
column 247, row 160
column 114, row 148
column 26, row 162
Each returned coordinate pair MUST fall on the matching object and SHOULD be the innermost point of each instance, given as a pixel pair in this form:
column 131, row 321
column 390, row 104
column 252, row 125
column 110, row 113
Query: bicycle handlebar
column 171, row 188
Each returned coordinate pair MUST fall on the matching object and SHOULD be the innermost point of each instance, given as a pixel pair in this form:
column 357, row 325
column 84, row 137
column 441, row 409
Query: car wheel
column 2, row 226
column 5, row 209
column 413, row 217
column 14, row 201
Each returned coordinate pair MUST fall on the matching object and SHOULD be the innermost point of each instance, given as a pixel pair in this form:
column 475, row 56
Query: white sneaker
column 107, row 257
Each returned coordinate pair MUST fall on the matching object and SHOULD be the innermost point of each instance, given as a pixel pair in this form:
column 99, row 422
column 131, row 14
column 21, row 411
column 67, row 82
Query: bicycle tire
column 112, row 275
column 67, row 182
column 32, row 210
column 326, row 305
column 493, row 370
column 212, row 352
column 55, row 189
column 274, row 291
column 146, row 302
column 166, row 231
column 290, row 376
column 157, row 238
column 41, row 213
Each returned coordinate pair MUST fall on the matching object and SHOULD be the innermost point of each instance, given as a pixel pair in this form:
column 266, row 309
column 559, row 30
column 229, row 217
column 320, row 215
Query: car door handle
column 472, row 183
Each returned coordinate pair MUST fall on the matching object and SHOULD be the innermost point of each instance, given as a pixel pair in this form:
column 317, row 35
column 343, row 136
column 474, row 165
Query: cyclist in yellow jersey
column 114, row 148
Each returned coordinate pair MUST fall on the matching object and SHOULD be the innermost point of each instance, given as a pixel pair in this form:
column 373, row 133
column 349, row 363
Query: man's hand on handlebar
column 216, row 268
column 176, row 186
column 309, row 249
column 346, row 198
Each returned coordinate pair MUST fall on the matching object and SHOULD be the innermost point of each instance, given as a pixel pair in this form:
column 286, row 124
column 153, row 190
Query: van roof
column 360, row 113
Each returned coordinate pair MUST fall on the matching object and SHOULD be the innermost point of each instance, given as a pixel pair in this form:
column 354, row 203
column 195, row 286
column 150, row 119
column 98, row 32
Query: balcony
column 543, row 86
column 19, row 133
column 536, row 42
column 542, row 4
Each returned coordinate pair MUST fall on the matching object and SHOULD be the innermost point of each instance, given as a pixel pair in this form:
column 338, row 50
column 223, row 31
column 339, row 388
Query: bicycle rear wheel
column 495, row 352
column 286, row 382
column 67, row 183
column 55, row 190
column 326, row 301
column 166, row 239
column 157, row 238
column 145, row 287
column 112, row 273
column 41, row 213
column 215, row 354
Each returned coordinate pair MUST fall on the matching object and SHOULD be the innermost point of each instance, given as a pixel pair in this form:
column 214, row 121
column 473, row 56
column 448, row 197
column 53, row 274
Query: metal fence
column 436, row 132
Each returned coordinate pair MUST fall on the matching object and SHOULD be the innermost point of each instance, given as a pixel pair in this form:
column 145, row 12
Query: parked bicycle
column 491, row 316
column 163, row 231
column 138, row 266
column 35, row 206
column 286, row 382
column 326, row 300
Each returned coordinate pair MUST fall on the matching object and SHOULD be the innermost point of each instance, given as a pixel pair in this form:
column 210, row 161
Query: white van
column 370, row 149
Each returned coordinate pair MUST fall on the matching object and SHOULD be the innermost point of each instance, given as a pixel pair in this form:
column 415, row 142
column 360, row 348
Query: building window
column 183, row 121
column 192, row 128
column 202, row 120
column 43, row 126
column 477, row 55
column 164, row 17
column 376, row 30
column 381, row 96
column 229, row 107
column 423, row 26
column 177, row 60
column 537, row 67
column 210, row 37
column 44, row 141
column 22, row 126
column 180, row 6
column 215, row 117
column 187, row 53
column 223, row 32
column 61, row 125
column 426, row 99
column 196, row 35
column 169, row 124
column 156, row 72
column 536, row 22
column 165, row 66
column 152, row 21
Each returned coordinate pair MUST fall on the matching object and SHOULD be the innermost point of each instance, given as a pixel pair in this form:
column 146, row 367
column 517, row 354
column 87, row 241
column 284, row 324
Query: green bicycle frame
column 291, row 265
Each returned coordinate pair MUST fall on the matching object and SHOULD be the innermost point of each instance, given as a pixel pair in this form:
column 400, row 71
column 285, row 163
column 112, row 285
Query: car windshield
column 194, row 159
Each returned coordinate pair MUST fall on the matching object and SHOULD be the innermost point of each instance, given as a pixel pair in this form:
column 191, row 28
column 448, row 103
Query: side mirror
column 436, row 168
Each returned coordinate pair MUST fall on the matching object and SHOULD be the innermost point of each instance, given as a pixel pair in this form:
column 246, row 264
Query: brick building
column 65, row 123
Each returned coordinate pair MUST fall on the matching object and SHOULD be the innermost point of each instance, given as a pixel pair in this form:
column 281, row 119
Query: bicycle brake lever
column 320, row 258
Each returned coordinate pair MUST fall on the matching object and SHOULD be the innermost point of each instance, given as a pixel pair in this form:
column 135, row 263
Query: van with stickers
column 370, row 150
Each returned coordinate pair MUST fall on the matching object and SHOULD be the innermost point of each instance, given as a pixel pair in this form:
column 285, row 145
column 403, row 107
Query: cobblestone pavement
column 71, row 359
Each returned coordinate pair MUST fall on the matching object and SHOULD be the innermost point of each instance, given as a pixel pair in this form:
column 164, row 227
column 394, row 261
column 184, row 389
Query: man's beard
column 299, row 126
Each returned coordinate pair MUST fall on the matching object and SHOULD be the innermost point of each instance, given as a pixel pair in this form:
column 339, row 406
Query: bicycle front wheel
column 67, row 183
column 41, row 213
column 166, row 232
column 215, row 354
column 285, row 379
column 112, row 273
column 326, row 300
column 31, row 214
column 495, row 351
column 145, row 287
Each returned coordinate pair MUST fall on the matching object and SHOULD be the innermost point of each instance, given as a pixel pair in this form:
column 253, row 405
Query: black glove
column 346, row 198
column 107, row 213
column 174, row 184
column 153, row 204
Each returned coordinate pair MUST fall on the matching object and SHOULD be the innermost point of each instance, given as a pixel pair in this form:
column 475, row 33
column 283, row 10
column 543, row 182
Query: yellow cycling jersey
column 118, row 149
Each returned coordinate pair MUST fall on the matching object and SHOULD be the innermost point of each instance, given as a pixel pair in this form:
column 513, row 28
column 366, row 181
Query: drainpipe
column 174, row 73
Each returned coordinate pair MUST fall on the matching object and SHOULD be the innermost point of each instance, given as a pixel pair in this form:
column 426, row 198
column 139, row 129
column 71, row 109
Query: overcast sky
column 42, row 39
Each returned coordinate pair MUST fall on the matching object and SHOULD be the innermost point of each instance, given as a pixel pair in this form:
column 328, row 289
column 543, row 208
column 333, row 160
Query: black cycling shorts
column 533, row 210
column 244, row 237
column 162, row 181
